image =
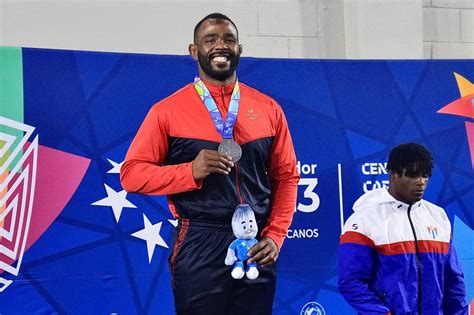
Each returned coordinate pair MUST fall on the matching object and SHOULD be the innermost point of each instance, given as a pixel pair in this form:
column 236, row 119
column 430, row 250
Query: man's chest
column 402, row 227
column 193, row 120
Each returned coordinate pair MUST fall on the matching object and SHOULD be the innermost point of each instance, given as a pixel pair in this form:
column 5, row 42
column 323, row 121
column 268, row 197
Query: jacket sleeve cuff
column 193, row 183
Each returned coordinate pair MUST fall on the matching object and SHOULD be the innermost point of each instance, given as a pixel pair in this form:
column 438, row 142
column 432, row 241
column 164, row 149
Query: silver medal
column 230, row 147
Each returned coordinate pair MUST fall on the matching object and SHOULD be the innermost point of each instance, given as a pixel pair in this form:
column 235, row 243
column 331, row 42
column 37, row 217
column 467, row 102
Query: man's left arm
column 454, row 298
column 284, row 179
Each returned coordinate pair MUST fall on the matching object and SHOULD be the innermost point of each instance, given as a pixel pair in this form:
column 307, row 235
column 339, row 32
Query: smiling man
column 214, row 145
column 396, row 255
column 217, row 63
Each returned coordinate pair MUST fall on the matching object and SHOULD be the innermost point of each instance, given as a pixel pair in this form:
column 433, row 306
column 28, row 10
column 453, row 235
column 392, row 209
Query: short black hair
column 412, row 157
column 216, row 16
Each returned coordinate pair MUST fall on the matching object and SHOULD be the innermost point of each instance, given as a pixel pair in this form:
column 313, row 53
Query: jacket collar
column 399, row 204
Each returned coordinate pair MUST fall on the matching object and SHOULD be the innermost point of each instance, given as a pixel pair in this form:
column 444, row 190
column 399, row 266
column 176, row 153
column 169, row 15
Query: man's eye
column 412, row 174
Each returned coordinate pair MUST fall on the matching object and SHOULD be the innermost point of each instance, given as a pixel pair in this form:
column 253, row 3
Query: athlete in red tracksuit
column 176, row 138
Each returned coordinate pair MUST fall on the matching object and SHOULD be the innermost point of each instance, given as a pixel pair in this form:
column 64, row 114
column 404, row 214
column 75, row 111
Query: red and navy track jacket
column 398, row 258
column 176, row 129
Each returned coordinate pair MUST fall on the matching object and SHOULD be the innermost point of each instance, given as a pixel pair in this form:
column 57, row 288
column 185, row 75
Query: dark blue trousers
column 202, row 283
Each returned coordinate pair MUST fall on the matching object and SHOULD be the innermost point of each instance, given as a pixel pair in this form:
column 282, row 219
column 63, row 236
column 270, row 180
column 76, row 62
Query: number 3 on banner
column 309, row 194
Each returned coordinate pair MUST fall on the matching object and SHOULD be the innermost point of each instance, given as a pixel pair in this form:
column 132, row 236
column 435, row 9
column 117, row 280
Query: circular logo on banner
column 313, row 308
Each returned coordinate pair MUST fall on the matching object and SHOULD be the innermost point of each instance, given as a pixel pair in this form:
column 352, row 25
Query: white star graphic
column 116, row 167
column 116, row 200
column 173, row 222
column 151, row 234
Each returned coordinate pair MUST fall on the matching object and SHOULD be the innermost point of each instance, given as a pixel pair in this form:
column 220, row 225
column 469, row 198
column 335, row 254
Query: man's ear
column 393, row 174
column 241, row 48
column 193, row 51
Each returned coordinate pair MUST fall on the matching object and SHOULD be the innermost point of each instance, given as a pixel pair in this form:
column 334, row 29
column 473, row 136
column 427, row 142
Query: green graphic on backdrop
column 11, row 92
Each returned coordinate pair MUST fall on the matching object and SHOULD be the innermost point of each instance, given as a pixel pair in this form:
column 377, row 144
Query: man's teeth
column 219, row 59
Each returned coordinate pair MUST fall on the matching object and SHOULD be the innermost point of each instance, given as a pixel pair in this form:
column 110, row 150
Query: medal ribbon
column 227, row 129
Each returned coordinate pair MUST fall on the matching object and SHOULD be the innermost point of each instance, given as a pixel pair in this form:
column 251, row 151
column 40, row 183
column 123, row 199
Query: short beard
column 205, row 64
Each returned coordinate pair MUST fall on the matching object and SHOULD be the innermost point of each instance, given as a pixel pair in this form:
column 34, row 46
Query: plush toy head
column 244, row 224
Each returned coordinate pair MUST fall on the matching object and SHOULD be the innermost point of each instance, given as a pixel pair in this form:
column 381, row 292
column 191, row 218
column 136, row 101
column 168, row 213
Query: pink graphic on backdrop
column 58, row 176
column 470, row 140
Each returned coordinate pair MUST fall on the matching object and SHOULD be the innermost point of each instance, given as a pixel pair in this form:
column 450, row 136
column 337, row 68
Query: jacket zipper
column 418, row 261
column 237, row 184
column 223, row 103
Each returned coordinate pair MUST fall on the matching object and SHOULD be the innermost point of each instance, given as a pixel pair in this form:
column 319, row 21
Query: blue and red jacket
column 176, row 129
column 396, row 258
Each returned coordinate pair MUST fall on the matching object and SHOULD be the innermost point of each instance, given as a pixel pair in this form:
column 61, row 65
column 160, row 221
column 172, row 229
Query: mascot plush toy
column 245, row 230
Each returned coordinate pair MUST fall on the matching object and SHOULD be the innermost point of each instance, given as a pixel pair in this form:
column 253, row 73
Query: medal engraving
column 230, row 147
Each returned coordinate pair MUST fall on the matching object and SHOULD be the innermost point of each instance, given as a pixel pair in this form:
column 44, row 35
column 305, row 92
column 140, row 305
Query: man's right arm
column 142, row 171
column 357, row 269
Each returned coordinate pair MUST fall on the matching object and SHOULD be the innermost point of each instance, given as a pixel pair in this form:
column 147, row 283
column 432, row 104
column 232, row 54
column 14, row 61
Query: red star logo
column 463, row 106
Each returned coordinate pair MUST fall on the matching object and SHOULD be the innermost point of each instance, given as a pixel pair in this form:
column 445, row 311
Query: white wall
column 448, row 29
column 267, row 28
column 355, row 29
column 383, row 29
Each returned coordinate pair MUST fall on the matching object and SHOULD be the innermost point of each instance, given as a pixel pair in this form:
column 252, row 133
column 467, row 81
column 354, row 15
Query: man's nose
column 420, row 180
column 220, row 43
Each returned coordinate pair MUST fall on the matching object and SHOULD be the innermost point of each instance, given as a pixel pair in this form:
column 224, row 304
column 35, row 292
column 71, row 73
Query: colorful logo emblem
column 18, row 164
column 313, row 308
column 433, row 231
column 36, row 182
column 464, row 106
column 252, row 115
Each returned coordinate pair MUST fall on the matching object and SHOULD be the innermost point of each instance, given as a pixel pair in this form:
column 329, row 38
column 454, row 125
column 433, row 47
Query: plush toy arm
column 230, row 259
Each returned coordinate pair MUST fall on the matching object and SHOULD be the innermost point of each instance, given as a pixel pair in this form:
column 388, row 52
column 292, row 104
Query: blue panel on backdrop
column 344, row 117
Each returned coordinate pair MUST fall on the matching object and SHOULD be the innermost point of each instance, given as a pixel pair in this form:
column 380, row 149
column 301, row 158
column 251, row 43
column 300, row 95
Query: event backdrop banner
column 73, row 241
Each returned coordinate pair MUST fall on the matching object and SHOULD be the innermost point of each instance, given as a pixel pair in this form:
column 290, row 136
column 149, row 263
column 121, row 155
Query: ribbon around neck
column 225, row 129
